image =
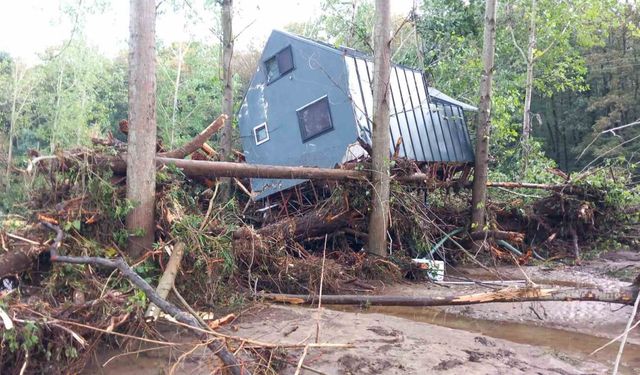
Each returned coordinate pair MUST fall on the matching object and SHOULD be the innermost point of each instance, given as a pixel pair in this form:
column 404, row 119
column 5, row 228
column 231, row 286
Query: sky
column 28, row 27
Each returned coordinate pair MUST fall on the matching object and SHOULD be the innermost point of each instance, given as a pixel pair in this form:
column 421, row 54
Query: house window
column 279, row 64
column 261, row 133
column 315, row 119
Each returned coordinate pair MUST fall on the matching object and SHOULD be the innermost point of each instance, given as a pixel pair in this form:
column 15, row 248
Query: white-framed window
column 261, row 133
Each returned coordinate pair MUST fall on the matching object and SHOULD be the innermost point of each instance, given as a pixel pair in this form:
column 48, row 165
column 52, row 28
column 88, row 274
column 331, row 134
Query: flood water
column 573, row 343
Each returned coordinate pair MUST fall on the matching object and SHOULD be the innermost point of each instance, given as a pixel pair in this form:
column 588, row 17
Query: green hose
column 443, row 240
column 508, row 246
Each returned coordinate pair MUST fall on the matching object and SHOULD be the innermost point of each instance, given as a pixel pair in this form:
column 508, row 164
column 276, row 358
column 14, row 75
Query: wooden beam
column 624, row 296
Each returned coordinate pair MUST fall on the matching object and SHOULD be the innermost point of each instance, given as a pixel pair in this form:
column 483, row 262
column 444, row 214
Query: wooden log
column 198, row 141
column 313, row 224
column 166, row 281
column 624, row 296
column 203, row 168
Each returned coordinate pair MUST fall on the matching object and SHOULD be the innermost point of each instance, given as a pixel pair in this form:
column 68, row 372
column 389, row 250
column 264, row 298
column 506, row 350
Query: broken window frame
column 303, row 133
column 275, row 60
column 255, row 133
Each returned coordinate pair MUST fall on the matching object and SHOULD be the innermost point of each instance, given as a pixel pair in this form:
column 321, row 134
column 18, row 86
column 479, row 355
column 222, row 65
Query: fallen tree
column 299, row 228
column 624, row 296
column 217, row 345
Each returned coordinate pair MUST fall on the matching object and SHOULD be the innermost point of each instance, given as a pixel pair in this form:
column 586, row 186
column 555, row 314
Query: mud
column 497, row 338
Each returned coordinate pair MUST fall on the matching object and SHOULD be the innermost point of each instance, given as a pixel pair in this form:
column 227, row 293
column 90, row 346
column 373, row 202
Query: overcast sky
column 30, row 26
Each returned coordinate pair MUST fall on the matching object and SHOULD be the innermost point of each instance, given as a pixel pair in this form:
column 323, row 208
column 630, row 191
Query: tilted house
column 309, row 102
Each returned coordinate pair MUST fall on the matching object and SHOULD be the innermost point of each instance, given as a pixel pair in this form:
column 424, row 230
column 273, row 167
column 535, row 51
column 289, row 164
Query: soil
column 497, row 338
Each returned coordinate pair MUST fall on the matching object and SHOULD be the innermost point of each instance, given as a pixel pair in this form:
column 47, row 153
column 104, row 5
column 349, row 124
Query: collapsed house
column 309, row 104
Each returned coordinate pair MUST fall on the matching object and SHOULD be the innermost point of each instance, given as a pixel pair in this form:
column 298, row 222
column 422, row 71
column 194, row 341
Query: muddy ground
column 498, row 338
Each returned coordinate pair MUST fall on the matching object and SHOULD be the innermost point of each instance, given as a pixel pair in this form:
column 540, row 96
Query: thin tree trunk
column 526, row 121
column 227, row 79
column 16, row 93
column 141, row 172
column 12, row 125
column 56, row 115
column 176, row 89
column 379, row 217
column 479, row 194
column 227, row 75
column 556, row 125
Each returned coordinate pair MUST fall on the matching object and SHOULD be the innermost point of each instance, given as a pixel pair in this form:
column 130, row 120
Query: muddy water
column 574, row 343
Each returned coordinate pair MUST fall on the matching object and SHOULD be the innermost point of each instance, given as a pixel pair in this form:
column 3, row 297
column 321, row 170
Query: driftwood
column 198, row 141
column 216, row 346
column 624, row 296
column 166, row 281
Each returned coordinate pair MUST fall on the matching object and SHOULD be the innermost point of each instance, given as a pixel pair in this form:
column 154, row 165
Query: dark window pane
column 285, row 60
column 272, row 69
column 315, row 119
column 261, row 133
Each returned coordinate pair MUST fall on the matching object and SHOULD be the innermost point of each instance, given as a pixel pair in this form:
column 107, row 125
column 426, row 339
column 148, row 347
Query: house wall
column 319, row 71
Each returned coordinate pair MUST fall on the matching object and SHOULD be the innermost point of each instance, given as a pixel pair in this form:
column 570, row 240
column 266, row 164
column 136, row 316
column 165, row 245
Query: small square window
column 261, row 133
column 279, row 64
column 314, row 119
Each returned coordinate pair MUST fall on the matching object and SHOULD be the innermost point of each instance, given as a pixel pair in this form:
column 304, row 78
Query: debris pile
column 310, row 236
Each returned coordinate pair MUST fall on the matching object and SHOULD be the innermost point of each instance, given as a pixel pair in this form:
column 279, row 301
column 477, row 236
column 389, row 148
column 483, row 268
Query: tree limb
column 217, row 346
column 197, row 141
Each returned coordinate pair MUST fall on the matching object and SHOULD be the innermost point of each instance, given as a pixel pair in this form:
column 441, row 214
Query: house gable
column 318, row 72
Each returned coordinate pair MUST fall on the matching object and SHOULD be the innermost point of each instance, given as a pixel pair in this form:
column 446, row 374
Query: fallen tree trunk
column 310, row 225
column 218, row 347
column 624, row 296
column 167, row 280
column 202, row 168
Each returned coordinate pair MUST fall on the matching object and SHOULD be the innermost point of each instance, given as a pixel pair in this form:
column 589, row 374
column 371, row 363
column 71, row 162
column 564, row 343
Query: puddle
column 560, row 341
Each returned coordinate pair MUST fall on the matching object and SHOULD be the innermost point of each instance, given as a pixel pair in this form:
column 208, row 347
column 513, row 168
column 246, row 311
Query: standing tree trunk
column 479, row 195
column 379, row 219
column 56, row 115
column 182, row 51
column 141, row 172
column 227, row 79
column 20, row 97
column 12, row 123
column 526, row 120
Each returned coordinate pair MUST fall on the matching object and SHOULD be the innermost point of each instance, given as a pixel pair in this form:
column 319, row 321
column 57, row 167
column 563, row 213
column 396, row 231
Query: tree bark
column 141, row 172
column 479, row 194
column 227, row 76
column 624, row 296
column 167, row 280
column 379, row 218
column 227, row 79
column 526, row 121
column 182, row 51
column 311, row 225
